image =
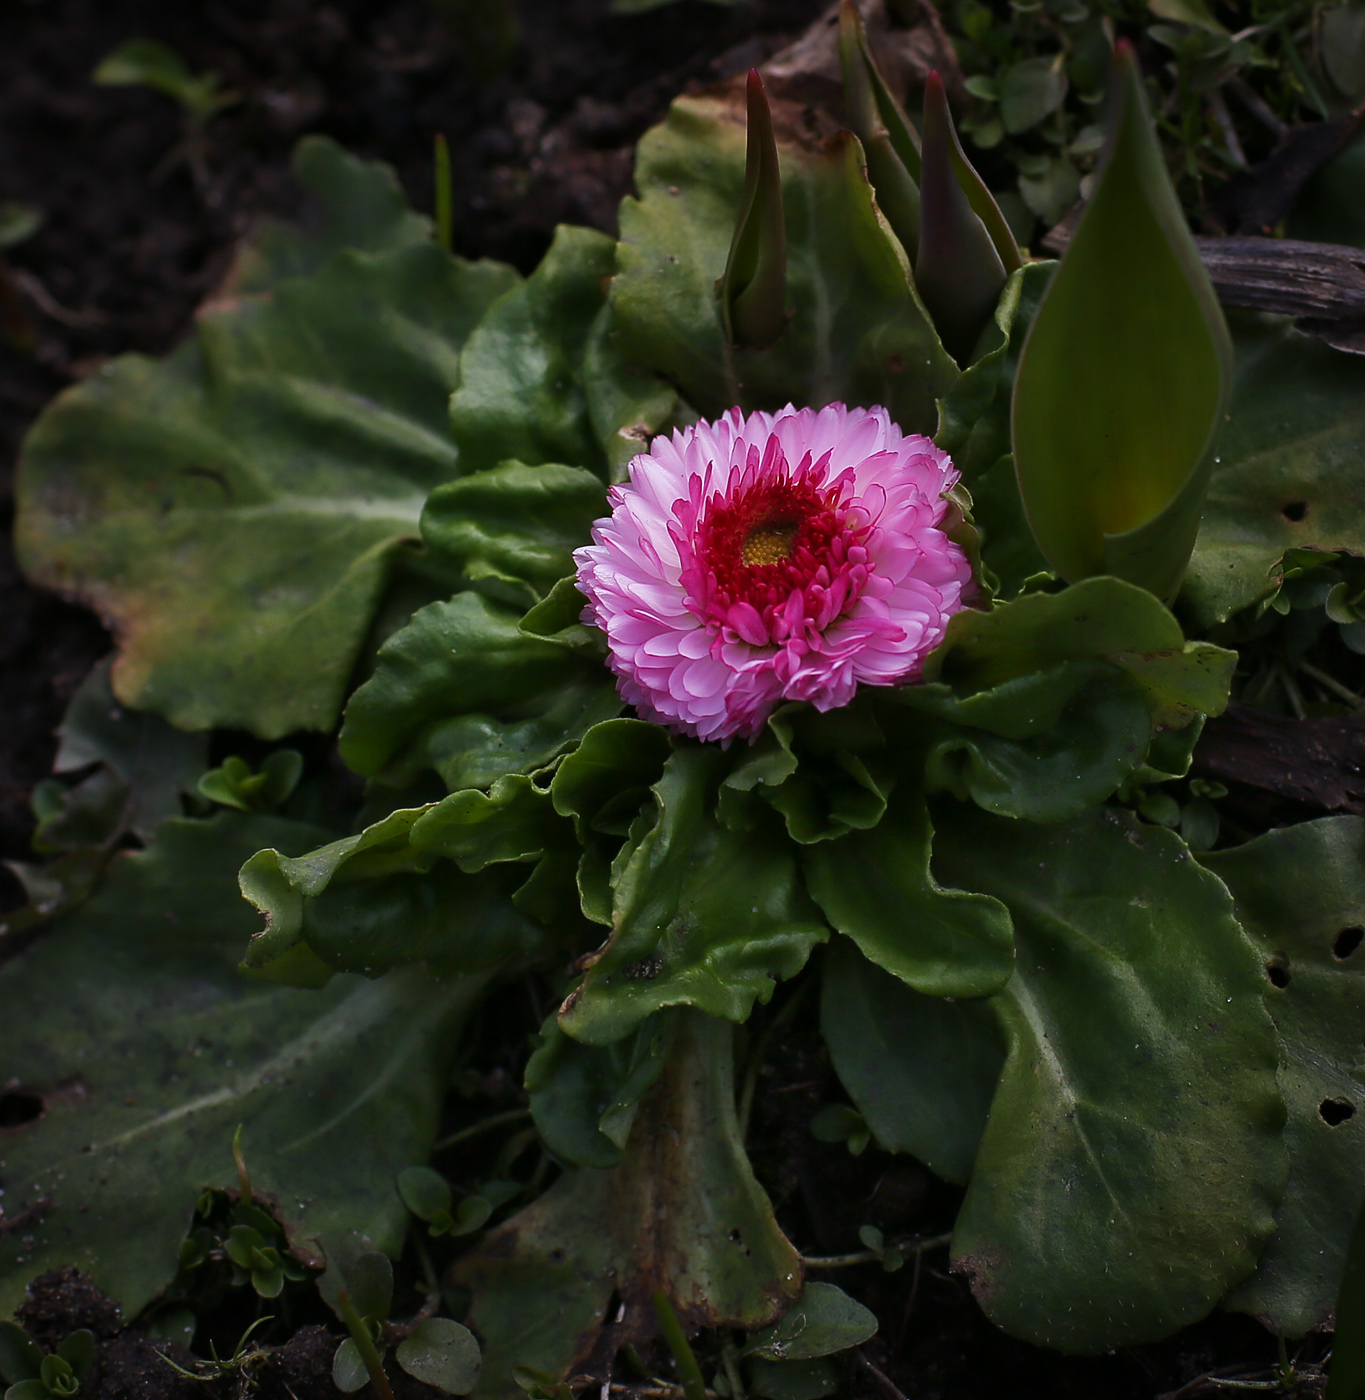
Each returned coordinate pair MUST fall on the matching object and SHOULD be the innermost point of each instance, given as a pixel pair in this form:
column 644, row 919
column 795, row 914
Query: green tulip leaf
column 701, row 915
column 1122, row 383
column 441, row 1353
column 584, row 1097
column 921, row 1070
column 1132, row 1159
column 682, row 1213
column 233, row 511
column 857, row 333
column 520, row 391
column 876, row 887
column 158, row 1047
column 462, row 689
column 511, row 531
column 1288, row 473
column 1300, row 891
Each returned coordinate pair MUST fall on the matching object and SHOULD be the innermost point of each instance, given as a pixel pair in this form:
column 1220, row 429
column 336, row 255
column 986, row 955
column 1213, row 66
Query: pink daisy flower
column 786, row 556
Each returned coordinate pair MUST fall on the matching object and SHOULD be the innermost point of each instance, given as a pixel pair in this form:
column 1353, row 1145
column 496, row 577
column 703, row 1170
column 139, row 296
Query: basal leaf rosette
column 770, row 558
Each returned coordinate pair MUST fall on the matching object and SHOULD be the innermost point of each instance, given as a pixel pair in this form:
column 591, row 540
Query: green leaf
column 150, row 63
column 1122, row 384
column 1192, row 12
column 29, row 1390
column 1347, row 1377
column 426, row 1193
column 20, row 1356
column 824, row 1320
column 1132, row 1159
column 958, row 271
column 379, row 900
column 77, row 1349
column 701, row 915
column 369, row 1280
column 682, row 1213
column 584, row 1097
column 441, row 1353
column 348, row 1368
column 1031, row 90
column 18, row 223
column 793, row 1380
column 753, row 288
column 463, row 690
column 355, row 204
column 922, row 1070
column 1098, row 619
column 511, row 531
column 1301, row 894
column 520, row 391
column 233, row 511
column 233, row 784
column 1288, row 472
column 157, row 1047
column 876, row 887
column 858, row 333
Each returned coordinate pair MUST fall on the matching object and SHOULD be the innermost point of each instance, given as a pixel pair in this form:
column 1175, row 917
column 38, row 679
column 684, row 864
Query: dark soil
column 540, row 130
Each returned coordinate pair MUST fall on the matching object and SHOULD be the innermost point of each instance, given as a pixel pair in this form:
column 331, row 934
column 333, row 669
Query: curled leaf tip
column 753, row 288
column 958, row 270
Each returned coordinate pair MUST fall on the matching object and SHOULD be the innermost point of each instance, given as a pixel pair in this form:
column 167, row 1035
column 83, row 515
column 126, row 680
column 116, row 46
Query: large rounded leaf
column 1301, row 893
column 1132, row 1161
column 232, row 511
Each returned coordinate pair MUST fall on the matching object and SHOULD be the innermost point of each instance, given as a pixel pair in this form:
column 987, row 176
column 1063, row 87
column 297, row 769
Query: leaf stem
column 512, row 1115
column 873, row 1256
column 694, row 1387
column 1342, row 692
column 444, row 206
column 364, row 1344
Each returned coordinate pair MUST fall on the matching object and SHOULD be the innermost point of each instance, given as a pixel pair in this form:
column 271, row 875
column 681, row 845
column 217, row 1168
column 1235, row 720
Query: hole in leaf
column 1294, row 511
column 1348, row 940
column 1277, row 969
column 1334, row 1112
column 18, row 1107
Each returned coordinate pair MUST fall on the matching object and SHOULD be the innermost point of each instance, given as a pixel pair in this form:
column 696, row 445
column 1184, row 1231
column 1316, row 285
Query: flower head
column 787, row 556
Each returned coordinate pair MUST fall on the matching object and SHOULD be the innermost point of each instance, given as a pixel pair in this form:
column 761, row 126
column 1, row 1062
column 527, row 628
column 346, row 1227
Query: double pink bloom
column 787, row 556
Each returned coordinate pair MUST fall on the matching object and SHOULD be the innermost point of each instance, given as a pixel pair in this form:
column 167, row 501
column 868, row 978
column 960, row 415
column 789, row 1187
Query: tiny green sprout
column 235, row 785
column 216, row 1367
column 266, row 1265
column 31, row 1375
column 838, row 1122
column 149, row 63
column 427, row 1195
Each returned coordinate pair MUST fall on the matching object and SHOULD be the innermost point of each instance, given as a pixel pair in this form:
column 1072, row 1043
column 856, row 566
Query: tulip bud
column 958, row 271
column 890, row 145
column 753, row 288
column 1123, row 380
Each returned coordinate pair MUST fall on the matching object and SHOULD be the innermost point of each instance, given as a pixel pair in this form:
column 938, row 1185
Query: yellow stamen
column 769, row 544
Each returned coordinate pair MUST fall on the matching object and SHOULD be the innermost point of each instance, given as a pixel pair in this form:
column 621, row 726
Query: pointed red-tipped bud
column 958, row 271
column 890, row 145
column 753, row 289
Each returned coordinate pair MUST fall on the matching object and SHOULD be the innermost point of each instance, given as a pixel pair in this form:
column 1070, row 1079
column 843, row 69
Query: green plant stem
column 694, row 1387
column 444, row 206
column 755, row 1061
column 873, row 1256
column 1335, row 686
column 512, row 1115
column 729, row 1360
column 238, row 1156
column 364, row 1344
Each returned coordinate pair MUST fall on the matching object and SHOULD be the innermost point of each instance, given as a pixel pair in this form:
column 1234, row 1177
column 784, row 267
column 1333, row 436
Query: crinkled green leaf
column 876, row 886
column 1122, row 382
column 511, row 531
column 233, row 784
column 584, row 1097
column 682, row 1213
column 463, row 690
column 155, row 1048
column 443, row 1354
column 1288, row 474
column 385, row 897
column 1132, row 1160
column 233, row 510
column 1300, row 892
column 701, row 915
column 857, row 333
column 921, row 1070
column 1100, row 619
column 520, row 391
